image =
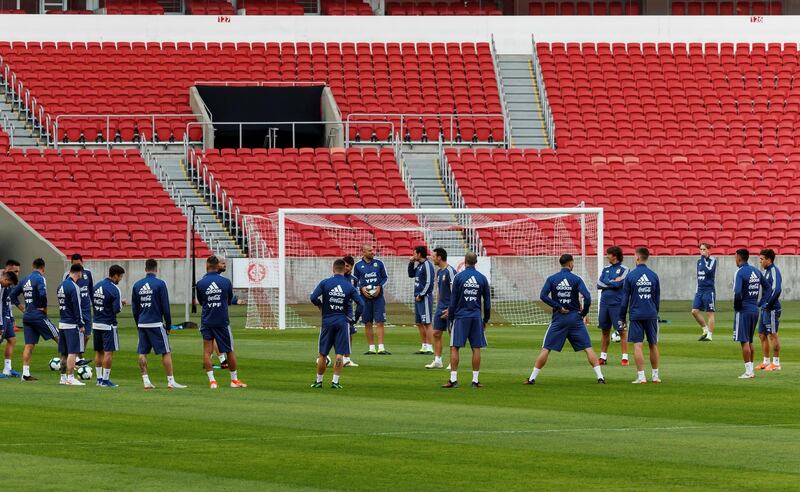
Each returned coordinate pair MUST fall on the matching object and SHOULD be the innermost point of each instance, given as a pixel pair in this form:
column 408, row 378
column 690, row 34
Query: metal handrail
column 543, row 99
column 260, row 83
column 26, row 104
column 109, row 139
column 501, row 92
column 451, row 116
column 474, row 241
column 8, row 128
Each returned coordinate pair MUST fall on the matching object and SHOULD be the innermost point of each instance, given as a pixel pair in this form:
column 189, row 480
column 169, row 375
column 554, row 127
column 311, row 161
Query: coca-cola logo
column 256, row 273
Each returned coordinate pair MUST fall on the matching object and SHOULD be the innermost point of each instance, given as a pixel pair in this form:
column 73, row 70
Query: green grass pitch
column 393, row 428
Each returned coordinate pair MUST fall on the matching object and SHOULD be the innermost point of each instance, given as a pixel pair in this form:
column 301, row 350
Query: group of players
column 88, row 310
column 629, row 305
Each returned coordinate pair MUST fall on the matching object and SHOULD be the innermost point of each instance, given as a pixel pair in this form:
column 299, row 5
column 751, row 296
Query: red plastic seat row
column 774, row 7
column 584, row 8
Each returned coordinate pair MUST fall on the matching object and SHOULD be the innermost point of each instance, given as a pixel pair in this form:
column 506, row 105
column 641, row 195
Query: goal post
column 517, row 247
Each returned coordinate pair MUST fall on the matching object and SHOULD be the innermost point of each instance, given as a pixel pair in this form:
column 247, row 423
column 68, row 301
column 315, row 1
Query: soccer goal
column 291, row 250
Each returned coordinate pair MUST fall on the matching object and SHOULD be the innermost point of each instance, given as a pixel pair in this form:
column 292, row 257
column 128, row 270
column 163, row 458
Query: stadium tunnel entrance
column 266, row 117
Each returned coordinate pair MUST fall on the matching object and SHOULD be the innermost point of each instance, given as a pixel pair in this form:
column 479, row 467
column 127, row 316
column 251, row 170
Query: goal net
column 291, row 250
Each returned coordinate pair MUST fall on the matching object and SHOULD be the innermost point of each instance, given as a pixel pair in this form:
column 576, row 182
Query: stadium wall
column 512, row 33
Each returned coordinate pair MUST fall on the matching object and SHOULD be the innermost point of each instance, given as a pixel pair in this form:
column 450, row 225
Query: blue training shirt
column 470, row 287
column 359, row 308
column 641, row 294
column 107, row 302
column 561, row 290
column 444, row 282
column 706, row 271
column 770, row 296
column 746, row 287
column 610, row 288
column 371, row 273
column 34, row 291
column 423, row 275
column 69, row 305
column 215, row 294
column 86, row 287
column 150, row 303
column 335, row 295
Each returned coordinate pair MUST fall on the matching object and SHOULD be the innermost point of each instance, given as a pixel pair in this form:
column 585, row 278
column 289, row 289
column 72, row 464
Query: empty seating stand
column 774, row 7
column 667, row 199
column 315, row 178
column 133, row 7
column 584, row 8
column 154, row 78
column 400, row 7
column 103, row 204
column 271, row 7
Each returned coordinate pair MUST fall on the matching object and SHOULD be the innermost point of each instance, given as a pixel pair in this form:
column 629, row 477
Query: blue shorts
column 468, row 329
column 40, row 328
column 440, row 324
column 640, row 329
column 423, row 310
column 70, row 341
column 744, row 326
column 223, row 337
column 609, row 317
column 7, row 330
column 155, row 339
column 704, row 301
column 106, row 340
column 565, row 327
column 374, row 310
column 334, row 334
column 770, row 320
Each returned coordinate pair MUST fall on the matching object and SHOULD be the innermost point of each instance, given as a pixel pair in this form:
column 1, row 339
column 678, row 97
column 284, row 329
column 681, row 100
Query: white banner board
column 255, row 273
column 484, row 266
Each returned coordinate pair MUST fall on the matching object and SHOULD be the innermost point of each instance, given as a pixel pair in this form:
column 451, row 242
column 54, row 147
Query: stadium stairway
column 523, row 101
column 170, row 159
column 427, row 190
column 23, row 136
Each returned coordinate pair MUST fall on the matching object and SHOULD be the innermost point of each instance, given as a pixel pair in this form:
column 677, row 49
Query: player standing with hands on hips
column 470, row 290
column 641, row 295
column 746, row 287
column 770, row 312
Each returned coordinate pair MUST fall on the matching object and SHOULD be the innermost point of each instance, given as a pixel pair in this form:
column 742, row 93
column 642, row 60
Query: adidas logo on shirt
column 146, row 290
column 563, row 285
column 643, row 280
column 213, row 289
column 471, row 282
column 753, row 277
column 337, row 291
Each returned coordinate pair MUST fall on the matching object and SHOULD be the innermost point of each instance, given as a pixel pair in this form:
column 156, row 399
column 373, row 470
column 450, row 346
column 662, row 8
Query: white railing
column 500, row 89
column 27, row 105
column 448, row 119
column 550, row 125
column 216, row 197
column 8, row 128
column 106, row 139
column 260, row 83
column 457, row 201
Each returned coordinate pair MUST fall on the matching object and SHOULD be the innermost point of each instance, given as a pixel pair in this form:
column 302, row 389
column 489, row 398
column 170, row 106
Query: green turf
column 393, row 428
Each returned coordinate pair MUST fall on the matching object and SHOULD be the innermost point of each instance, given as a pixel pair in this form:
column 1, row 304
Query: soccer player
column 86, row 285
column 470, row 289
column 150, row 303
column 610, row 286
column 421, row 270
column 444, row 280
column 770, row 312
column 223, row 362
column 371, row 272
column 35, row 323
column 560, row 291
column 641, row 300
column 7, row 332
column 332, row 296
column 349, row 263
column 705, row 295
column 108, row 302
column 215, row 294
column 71, row 340
column 746, row 286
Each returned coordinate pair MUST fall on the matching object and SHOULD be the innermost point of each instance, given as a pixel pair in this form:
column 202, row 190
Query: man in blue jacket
column 333, row 297
column 747, row 285
column 352, row 318
column 35, row 323
column 150, row 303
column 421, row 270
column 71, row 325
column 770, row 312
column 372, row 279
column 86, row 286
column 107, row 301
column 705, row 295
column 7, row 320
column 470, row 291
column 560, row 291
column 215, row 294
column 641, row 300
column 610, row 286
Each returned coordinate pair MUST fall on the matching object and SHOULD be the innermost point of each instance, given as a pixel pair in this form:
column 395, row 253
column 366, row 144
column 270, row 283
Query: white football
column 327, row 361
column 54, row 364
column 371, row 290
column 85, row 373
column 615, row 336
